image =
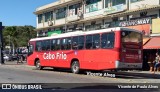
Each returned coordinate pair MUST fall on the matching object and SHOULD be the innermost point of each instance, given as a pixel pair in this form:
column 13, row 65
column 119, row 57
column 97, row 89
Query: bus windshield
column 131, row 39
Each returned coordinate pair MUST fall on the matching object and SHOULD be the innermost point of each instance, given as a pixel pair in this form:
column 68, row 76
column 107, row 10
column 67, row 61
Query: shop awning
column 145, row 40
column 153, row 43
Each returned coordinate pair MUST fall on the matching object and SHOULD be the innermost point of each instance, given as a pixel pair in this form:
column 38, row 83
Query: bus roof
column 78, row 33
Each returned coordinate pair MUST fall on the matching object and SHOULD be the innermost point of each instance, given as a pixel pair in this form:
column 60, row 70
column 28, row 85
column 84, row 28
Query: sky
column 20, row 12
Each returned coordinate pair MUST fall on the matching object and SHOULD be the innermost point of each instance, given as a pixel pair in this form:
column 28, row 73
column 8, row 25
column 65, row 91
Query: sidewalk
column 15, row 63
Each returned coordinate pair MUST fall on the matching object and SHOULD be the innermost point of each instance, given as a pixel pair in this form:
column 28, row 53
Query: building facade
column 71, row 15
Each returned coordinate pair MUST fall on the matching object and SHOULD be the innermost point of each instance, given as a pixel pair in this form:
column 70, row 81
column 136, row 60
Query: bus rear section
column 130, row 50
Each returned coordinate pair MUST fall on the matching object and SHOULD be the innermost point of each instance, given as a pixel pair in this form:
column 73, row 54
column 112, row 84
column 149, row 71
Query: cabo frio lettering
column 55, row 56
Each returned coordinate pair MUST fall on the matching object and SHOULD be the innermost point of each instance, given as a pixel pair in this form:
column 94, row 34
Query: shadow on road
column 119, row 74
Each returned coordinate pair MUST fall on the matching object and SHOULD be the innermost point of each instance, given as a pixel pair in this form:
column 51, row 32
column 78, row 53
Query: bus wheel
column 75, row 67
column 38, row 65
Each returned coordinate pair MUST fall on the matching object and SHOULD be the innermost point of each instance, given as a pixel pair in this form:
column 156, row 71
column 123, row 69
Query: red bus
column 104, row 49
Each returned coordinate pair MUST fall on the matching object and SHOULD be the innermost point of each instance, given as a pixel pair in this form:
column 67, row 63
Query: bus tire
column 75, row 67
column 38, row 65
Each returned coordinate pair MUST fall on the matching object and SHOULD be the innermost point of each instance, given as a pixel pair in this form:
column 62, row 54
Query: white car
column 6, row 58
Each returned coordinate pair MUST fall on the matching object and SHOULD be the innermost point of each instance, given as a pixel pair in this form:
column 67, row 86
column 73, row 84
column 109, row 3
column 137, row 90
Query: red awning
column 153, row 43
column 145, row 40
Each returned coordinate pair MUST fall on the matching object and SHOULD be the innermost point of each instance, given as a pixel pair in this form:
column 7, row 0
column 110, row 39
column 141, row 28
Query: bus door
column 30, row 55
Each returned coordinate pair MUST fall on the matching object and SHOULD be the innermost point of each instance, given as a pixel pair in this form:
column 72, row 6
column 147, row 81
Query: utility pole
column 9, row 44
column 1, row 44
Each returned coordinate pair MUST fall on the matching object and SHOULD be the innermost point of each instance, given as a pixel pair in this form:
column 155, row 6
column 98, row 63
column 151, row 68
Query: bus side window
column 107, row 40
column 96, row 41
column 64, row 44
column 110, row 42
column 43, row 45
column 81, row 42
column 89, row 42
column 47, row 45
column 104, row 40
column 58, row 44
column 31, row 48
column 38, row 46
column 53, row 43
column 75, row 43
column 69, row 42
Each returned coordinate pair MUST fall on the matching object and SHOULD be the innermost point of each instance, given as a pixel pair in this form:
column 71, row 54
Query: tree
column 19, row 35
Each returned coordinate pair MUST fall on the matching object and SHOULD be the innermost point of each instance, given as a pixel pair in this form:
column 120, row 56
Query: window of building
column 117, row 2
column 65, row 43
column 107, row 40
column 73, row 9
column 132, row 1
column 107, row 2
column 93, row 27
column 61, row 13
column 48, row 16
column 92, row 5
column 40, row 18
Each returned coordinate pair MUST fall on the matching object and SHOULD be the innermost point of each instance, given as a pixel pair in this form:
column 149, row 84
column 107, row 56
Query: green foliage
column 19, row 35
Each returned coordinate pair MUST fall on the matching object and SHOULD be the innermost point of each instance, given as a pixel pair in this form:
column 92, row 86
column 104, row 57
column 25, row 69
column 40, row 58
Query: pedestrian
column 150, row 62
column 21, row 58
column 17, row 58
column 156, row 62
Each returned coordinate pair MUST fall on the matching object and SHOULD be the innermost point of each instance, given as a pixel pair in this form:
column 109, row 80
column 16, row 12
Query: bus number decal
column 55, row 56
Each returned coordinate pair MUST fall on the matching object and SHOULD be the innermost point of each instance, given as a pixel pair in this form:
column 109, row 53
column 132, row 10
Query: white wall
column 96, row 13
column 143, row 3
column 136, row 15
column 72, row 18
column 60, row 21
column 40, row 25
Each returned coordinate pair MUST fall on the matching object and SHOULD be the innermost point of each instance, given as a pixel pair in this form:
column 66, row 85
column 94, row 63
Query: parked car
column 6, row 58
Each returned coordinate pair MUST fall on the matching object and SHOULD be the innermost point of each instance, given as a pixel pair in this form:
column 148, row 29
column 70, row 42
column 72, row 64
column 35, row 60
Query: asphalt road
column 64, row 79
